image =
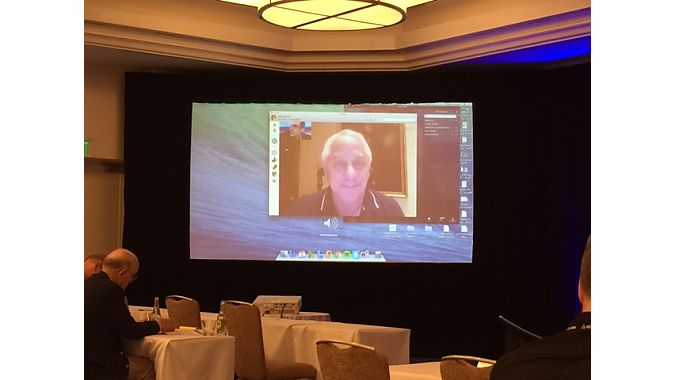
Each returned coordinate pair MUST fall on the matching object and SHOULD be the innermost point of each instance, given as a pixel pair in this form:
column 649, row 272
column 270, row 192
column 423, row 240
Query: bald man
column 107, row 320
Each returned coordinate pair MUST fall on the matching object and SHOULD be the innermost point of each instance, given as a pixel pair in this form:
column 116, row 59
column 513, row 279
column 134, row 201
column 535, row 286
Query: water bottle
column 156, row 307
column 220, row 321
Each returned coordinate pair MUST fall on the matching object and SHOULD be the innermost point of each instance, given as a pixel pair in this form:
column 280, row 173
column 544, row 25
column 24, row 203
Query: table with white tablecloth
column 287, row 339
column 303, row 315
column 296, row 340
column 416, row 371
column 184, row 354
column 420, row 371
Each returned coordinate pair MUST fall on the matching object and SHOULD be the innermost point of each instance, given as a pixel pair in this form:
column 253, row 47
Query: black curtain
column 531, row 212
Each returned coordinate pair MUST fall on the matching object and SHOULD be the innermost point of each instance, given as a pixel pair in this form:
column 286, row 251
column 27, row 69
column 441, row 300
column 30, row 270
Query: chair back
column 183, row 311
column 339, row 360
column 243, row 321
column 463, row 367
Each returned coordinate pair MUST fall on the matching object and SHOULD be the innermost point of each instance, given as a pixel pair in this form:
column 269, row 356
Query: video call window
column 372, row 156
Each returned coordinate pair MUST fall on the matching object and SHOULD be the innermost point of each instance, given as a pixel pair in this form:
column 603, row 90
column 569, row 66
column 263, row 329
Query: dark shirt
column 106, row 321
column 562, row 356
column 320, row 203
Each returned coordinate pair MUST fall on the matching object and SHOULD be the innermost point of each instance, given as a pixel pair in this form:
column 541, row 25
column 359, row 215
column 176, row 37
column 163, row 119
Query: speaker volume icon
column 332, row 223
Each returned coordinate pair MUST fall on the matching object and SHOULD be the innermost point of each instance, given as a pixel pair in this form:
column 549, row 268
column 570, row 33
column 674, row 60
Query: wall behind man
column 531, row 215
column 103, row 178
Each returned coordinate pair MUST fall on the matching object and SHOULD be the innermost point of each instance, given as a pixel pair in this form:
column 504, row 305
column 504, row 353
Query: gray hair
column 345, row 133
column 119, row 259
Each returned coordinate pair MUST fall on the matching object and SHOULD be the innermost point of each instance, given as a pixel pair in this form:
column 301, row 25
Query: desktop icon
column 447, row 228
column 463, row 213
column 347, row 253
column 329, row 254
column 464, row 139
column 355, row 254
column 393, row 228
column 463, row 184
column 428, row 228
column 410, row 228
column 463, row 198
column 463, row 228
column 331, row 223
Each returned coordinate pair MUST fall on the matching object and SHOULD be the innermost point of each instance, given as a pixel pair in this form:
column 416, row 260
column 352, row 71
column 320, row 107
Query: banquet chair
column 340, row 360
column 462, row 367
column 183, row 311
column 243, row 321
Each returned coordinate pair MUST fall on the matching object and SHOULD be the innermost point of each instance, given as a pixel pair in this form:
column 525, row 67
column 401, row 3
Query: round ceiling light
column 334, row 14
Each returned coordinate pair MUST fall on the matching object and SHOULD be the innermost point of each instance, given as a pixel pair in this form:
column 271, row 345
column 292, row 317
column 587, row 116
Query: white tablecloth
column 417, row 371
column 303, row 315
column 182, row 355
column 286, row 339
column 296, row 340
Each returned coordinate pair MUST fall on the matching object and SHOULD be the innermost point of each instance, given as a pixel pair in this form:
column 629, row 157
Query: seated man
column 566, row 355
column 107, row 320
column 346, row 160
column 93, row 264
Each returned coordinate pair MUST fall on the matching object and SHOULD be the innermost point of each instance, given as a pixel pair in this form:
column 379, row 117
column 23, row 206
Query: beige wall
column 103, row 110
column 103, row 208
column 103, row 188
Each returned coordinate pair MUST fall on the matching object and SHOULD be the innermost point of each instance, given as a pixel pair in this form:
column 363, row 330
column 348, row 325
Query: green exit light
column 86, row 152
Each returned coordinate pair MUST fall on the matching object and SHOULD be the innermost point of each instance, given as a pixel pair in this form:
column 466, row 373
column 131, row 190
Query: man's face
column 348, row 169
column 294, row 130
column 128, row 275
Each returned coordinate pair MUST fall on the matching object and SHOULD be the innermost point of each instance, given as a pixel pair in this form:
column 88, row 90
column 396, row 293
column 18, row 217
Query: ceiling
column 180, row 35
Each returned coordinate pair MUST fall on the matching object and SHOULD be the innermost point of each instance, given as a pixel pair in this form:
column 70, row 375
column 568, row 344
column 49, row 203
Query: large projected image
column 332, row 183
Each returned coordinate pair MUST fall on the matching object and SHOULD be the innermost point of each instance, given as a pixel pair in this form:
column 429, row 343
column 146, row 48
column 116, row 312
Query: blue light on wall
column 540, row 54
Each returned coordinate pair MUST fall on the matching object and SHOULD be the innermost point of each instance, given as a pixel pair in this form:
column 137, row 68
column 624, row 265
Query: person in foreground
column 346, row 160
column 107, row 320
column 565, row 355
column 93, row 264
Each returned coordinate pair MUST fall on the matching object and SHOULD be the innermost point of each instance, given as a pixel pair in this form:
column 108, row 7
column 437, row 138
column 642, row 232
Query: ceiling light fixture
column 332, row 14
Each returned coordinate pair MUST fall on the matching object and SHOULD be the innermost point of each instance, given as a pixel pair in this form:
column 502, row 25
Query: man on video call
column 346, row 160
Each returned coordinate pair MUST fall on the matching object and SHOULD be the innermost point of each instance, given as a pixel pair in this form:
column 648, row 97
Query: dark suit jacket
column 106, row 321
column 562, row 356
